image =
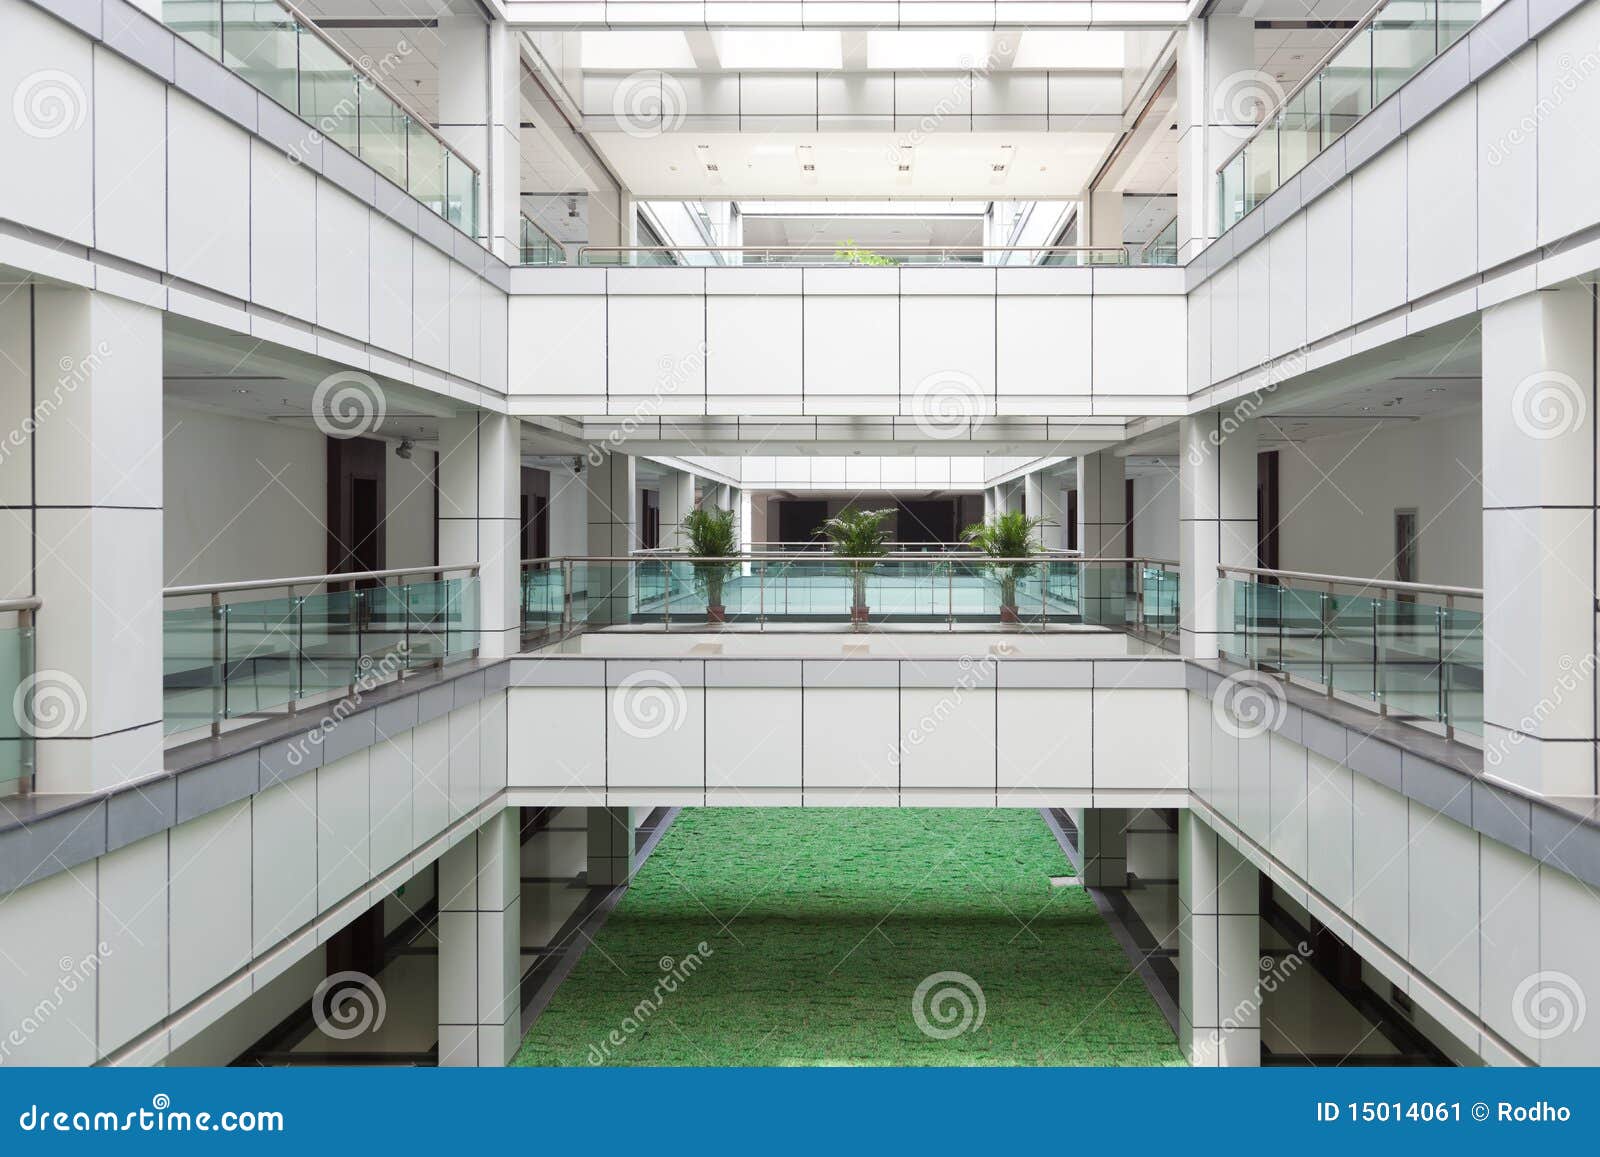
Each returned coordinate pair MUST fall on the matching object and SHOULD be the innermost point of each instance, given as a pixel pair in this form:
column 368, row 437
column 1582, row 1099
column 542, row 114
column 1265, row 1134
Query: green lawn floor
column 822, row 922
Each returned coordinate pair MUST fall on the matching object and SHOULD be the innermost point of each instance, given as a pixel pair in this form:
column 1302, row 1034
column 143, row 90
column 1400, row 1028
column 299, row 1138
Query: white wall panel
column 283, row 839
column 1329, row 256
column 1126, row 359
column 465, row 334
column 1569, row 164
column 851, row 354
column 944, row 339
column 1043, row 347
column 558, row 347
column 1442, row 161
column 208, row 198
column 657, row 352
column 283, row 233
column 130, row 213
column 210, row 896
column 1382, row 832
column 465, row 769
column 752, row 739
column 1045, row 739
column 48, row 930
column 133, row 928
column 1568, row 916
column 1225, row 323
column 48, row 79
column 393, row 779
column 758, row 346
column 430, row 764
column 1507, row 160
column 851, row 738
column 1288, row 819
column 1443, row 918
column 557, row 737
column 343, row 261
column 948, row 738
column 430, row 295
column 1378, row 233
column 1330, row 852
column 343, row 827
column 389, row 285
column 1254, row 306
column 1140, row 740
column 1508, row 939
column 1286, row 259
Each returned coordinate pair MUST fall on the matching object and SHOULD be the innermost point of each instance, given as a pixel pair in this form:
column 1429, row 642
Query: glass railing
column 17, row 729
column 965, row 256
column 539, row 248
column 247, row 650
column 283, row 54
column 1413, row 651
column 947, row 590
column 1385, row 50
column 1162, row 249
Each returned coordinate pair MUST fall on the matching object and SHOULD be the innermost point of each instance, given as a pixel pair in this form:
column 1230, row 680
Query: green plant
column 710, row 535
column 858, row 534
column 1007, row 536
column 853, row 254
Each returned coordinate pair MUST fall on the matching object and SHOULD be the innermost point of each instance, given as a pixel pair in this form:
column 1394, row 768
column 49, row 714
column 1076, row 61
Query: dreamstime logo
column 49, row 704
column 674, row 973
column 1566, row 82
column 676, row 372
column 647, row 104
column 49, row 103
column 1549, row 1004
column 947, row 404
column 336, row 120
column 1547, row 405
column 348, row 1004
column 947, row 1004
column 348, row 404
column 1243, row 99
column 649, row 703
column 1575, row 676
column 74, row 373
column 1248, row 704
column 973, row 673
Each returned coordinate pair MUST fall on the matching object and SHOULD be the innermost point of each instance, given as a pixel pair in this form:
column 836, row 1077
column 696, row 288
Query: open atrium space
column 631, row 542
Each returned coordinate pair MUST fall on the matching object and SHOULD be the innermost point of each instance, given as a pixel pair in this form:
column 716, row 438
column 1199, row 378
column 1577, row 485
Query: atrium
column 786, row 533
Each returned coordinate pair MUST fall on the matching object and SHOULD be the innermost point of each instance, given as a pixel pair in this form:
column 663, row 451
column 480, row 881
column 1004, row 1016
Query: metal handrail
column 416, row 118
column 31, row 603
column 1312, row 74
column 771, row 557
column 833, row 251
column 1350, row 580
column 313, row 580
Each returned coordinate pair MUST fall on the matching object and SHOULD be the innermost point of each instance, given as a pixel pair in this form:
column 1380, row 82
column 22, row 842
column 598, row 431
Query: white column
column 746, row 524
column 1217, row 518
column 480, row 514
column 1219, row 949
column 1539, row 500
column 1103, row 844
column 1033, row 494
column 1102, row 533
column 613, row 533
column 991, row 504
column 611, row 839
column 480, row 114
column 1053, row 534
column 1105, row 217
column 677, row 500
column 480, row 946
column 1219, row 88
column 83, row 374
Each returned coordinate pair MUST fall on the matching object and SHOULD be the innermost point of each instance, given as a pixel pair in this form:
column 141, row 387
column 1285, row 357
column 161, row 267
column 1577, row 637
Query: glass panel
column 261, row 668
column 426, row 175
column 1456, row 17
column 330, row 640
column 1347, row 87
column 381, row 134
column 1299, row 132
column 328, row 92
column 1403, row 40
column 258, row 43
column 463, row 195
column 191, row 680
column 1260, row 167
column 1462, row 668
column 16, row 744
column 541, row 597
column 1232, row 192
column 197, row 21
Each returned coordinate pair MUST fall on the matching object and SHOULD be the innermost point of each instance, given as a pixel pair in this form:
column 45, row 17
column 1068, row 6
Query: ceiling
column 870, row 230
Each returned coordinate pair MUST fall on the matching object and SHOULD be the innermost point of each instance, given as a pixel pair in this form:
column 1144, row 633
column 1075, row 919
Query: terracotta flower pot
column 1009, row 615
column 858, row 614
column 716, row 613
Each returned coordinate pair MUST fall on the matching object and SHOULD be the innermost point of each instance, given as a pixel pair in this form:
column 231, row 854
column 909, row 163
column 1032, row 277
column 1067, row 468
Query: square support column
column 82, row 498
column 1539, row 507
column 480, row 113
column 1103, row 843
column 480, row 946
column 1217, row 519
column 677, row 500
column 1219, row 949
column 1102, row 533
column 613, row 533
column 1219, row 89
column 480, row 519
column 611, row 839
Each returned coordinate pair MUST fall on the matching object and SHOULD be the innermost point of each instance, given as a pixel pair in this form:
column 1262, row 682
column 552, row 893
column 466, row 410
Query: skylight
column 1070, row 49
column 617, row 51
column 753, row 50
column 929, row 51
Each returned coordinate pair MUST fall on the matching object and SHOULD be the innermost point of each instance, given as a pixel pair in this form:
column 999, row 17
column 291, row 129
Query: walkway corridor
column 820, row 925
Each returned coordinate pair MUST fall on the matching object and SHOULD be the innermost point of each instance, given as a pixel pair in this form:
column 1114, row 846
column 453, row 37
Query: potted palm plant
column 858, row 534
column 710, row 534
column 1006, row 536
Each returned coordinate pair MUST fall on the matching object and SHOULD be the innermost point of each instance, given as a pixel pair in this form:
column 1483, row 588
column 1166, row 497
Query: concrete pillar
column 1217, row 519
column 742, row 519
column 480, row 114
column 1539, row 508
column 480, row 464
column 1102, row 533
column 1105, row 217
column 1219, row 949
column 991, row 504
column 1219, row 89
column 613, row 533
column 611, row 839
column 81, row 526
column 480, row 946
column 677, row 500
column 1053, row 534
column 1103, row 844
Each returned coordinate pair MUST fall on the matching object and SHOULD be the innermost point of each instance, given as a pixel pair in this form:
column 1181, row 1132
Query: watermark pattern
column 1274, row 972
column 1549, row 1004
column 673, row 974
column 1576, row 675
column 649, row 703
column 75, row 974
column 348, row 404
column 647, row 104
column 49, row 704
column 73, row 374
column 1548, row 405
column 1243, row 99
column 341, row 121
column 973, row 674
column 49, row 103
column 675, row 373
column 348, row 1004
column 370, row 675
column 1289, row 366
column 160, row 1117
column 949, row 404
column 948, row 1004
column 1569, row 76
column 1248, row 704
column 956, row 104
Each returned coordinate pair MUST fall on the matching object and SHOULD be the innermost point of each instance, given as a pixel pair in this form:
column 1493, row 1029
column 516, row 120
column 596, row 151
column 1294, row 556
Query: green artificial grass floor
column 819, row 925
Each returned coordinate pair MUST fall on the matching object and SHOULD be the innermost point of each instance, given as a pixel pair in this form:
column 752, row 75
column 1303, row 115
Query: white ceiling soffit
column 599, row 15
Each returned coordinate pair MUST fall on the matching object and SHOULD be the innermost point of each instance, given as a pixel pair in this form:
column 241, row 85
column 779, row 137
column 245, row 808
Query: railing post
column 950, row 592
column 566, row 596
column 219, row 663
column 761, row 594
column 405, row 638
column 1322, row 636
column 1438, row 637
column 297, row 651
column 1044, row 593
column 666, row 595
column 1377, row 662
